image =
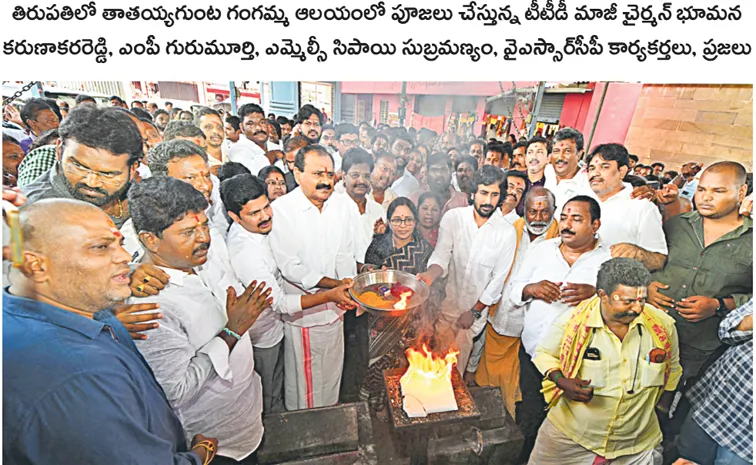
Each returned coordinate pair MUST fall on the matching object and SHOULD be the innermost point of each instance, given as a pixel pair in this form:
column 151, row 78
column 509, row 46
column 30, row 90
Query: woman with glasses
column 402, row 248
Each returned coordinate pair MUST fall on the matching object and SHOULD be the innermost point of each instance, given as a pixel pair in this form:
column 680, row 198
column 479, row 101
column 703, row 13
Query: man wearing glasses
column 347, row 137
column 97, row 157
column 251, row 149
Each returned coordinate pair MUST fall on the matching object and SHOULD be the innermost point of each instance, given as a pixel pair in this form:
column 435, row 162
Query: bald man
column 75, row 388
column 709, row 270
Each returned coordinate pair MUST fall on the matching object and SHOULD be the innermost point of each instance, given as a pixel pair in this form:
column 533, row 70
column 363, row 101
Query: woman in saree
column 402, row 248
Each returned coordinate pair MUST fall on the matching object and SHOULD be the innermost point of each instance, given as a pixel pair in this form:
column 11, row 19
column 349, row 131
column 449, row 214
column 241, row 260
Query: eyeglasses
column 400, row 221
column 350, row 143
column 271, row 182
column 112, row 179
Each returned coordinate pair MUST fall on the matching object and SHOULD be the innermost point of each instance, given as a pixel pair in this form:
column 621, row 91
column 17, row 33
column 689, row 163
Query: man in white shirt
column 347, row 137
column 632, row 228
column 556, row 275
column 381, row 178
column 401, row 148
column 200, row 353
column 185, row 161
column 570, row 180
column 254, row 144
column 211, row 124
column 475, row 249
column 310, row 122
column 252, row 259
column 357, row 167
column 500, row 344
column 313, row 245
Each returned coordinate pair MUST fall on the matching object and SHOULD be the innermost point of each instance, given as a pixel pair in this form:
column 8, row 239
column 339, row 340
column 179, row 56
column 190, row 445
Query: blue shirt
column 77, row 390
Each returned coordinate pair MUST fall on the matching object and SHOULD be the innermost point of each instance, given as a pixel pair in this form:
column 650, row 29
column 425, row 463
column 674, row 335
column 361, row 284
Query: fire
column 427, row 385
column 402, row 304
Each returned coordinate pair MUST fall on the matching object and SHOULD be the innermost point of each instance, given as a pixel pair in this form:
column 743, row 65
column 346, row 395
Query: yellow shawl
column 576, row 341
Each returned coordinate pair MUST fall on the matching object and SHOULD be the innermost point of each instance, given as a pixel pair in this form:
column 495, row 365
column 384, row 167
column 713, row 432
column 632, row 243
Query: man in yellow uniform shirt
column 608, row 366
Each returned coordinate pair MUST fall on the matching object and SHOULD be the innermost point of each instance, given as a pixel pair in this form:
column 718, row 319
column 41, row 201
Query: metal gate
column 551, row 108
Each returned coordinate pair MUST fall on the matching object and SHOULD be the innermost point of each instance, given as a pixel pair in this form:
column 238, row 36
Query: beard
column 537, row 228
column 96, row 201
column 483, row 213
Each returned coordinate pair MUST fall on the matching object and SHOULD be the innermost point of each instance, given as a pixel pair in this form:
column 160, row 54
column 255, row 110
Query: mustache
column 364, row 186
column 259, row 132
column 81, row 186
column 486, row 206
column 264, row 223
column 323, row 186
column 567, row 231
column 538, row 224
column 626, row 314
column 202, row 247
column 595, row 178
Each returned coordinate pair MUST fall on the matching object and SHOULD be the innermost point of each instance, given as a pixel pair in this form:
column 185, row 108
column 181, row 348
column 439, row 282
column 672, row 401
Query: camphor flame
column 402, row 304
column 429, row 368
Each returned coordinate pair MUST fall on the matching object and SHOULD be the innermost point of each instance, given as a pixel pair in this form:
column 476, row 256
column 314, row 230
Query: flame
column 425, row 366
column 402, row 304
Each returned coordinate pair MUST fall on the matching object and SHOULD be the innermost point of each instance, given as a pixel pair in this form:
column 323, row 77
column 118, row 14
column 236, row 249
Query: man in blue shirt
column 75, row 389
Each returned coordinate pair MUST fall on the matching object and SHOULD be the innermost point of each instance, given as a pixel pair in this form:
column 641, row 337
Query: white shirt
column 309, row 245
column 363, row 234
column 337, row 159
column 510, row 217
column 252, row 260
column 635, row 221
column 212, row 390
column 405, row 185
column 545, row 262
column 569, row 188
column 250, row 155
column 477, row 260
column 509, row 318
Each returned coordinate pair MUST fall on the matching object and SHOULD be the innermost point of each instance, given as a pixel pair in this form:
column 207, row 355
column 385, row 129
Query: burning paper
column 427, row 386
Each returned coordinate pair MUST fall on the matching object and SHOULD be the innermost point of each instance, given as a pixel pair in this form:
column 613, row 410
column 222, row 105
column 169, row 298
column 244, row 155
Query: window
column 384, row 112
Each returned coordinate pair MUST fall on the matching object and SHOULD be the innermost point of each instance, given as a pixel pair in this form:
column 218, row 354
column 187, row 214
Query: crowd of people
column 183, row 273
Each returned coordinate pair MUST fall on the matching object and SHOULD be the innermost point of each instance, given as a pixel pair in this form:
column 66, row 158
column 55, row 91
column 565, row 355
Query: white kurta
column 634, row 221
column 308, row 245
column 477, row 260
column 250, row 155
column 214, row 391
column 545, row 262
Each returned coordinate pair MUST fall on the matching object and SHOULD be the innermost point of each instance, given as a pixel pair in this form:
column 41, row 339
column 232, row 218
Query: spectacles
column 105, row 178
column 275, row 183
column 400, row 221
column 350, row 143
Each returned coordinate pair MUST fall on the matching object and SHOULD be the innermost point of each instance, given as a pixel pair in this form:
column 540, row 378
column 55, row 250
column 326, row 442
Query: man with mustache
column 518, row 157
column 162, row 118
column 517, row 183
column 211, row 124
column 405, row 183
column 477, row 150
column 252, row 259
column 74, row 383
column 500, row 363
column 358, row 166
column 475, row 249
column 251, row 149
column 328, row 139
column 557, row 274
column 309, row 123
column 631, row 227
column 293, row 145
column 381, row 178
column 201, row 353
column 97, row 157
column 602, row 394
column 570, row 180
column 497, row 156
column 537, row 165
column 438, row 168
column 313, row 245
column 709, row 271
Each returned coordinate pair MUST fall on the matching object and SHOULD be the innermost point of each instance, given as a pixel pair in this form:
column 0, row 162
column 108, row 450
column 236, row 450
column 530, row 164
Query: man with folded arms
column 606, row 365
column 201, row 353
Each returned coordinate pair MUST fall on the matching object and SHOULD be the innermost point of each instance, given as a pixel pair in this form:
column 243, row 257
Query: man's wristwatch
column 476, row 313
column 722, row 310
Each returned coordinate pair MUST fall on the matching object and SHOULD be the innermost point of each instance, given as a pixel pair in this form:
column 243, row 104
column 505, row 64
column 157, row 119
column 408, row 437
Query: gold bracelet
column 209, row 447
